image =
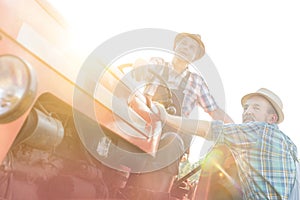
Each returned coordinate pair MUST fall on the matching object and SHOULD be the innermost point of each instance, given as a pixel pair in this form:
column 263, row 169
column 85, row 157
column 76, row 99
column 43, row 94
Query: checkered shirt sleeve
column 264, row 156
column 197, row 92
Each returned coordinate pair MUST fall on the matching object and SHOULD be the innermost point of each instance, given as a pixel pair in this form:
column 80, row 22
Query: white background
column 253, row 44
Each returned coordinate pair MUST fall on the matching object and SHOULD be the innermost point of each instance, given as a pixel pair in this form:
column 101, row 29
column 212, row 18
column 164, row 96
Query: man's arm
column 206, row 99
column 219, row 114
column 190, row 126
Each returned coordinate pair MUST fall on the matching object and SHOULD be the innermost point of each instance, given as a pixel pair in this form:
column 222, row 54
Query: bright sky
column 253, row 44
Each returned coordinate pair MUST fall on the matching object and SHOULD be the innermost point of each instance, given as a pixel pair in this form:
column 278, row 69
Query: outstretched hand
column 150, row 113
column 160, row 111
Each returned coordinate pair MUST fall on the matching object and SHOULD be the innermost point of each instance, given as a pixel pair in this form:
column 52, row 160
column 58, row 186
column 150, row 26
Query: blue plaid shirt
column 265, row 157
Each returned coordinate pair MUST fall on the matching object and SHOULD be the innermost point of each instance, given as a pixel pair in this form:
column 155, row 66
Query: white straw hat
column 271, row 97
column 196, row 37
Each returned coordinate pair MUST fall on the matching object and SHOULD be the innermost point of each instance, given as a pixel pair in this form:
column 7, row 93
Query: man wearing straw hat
column 179, row 90
column 188, row 88
column 266, row 158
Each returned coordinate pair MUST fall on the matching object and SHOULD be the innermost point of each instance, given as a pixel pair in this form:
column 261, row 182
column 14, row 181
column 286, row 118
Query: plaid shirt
column 264, row 155
column 196, row 91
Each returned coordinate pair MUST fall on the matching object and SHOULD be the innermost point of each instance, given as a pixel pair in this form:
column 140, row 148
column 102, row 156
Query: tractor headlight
column 17, row 87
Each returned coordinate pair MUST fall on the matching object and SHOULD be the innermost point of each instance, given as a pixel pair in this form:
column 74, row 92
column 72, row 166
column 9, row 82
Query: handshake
column 151, row 112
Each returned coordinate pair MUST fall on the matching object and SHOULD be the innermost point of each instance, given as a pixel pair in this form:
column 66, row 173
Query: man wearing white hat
column 177, row 77
column 180, row 91
column 266, row 158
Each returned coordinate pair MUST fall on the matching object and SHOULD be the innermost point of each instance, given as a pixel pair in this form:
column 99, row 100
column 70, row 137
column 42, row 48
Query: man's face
column 257, row 108
column 187, row 48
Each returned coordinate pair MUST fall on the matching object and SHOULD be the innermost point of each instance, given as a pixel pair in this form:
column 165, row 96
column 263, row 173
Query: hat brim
column 273, row 103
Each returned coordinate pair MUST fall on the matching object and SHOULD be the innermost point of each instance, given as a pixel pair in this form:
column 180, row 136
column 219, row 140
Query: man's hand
column 151, row 116
column 156, row 112
column 160, row 111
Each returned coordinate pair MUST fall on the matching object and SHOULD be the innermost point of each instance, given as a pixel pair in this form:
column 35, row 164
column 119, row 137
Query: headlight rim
column 28, row 96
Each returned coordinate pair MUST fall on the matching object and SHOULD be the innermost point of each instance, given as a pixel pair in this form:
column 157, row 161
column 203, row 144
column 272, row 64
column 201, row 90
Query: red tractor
column 57, row 141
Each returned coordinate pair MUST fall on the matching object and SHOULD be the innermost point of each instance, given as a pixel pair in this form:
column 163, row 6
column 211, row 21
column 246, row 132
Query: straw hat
column 196, row 37
column 271, row 97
